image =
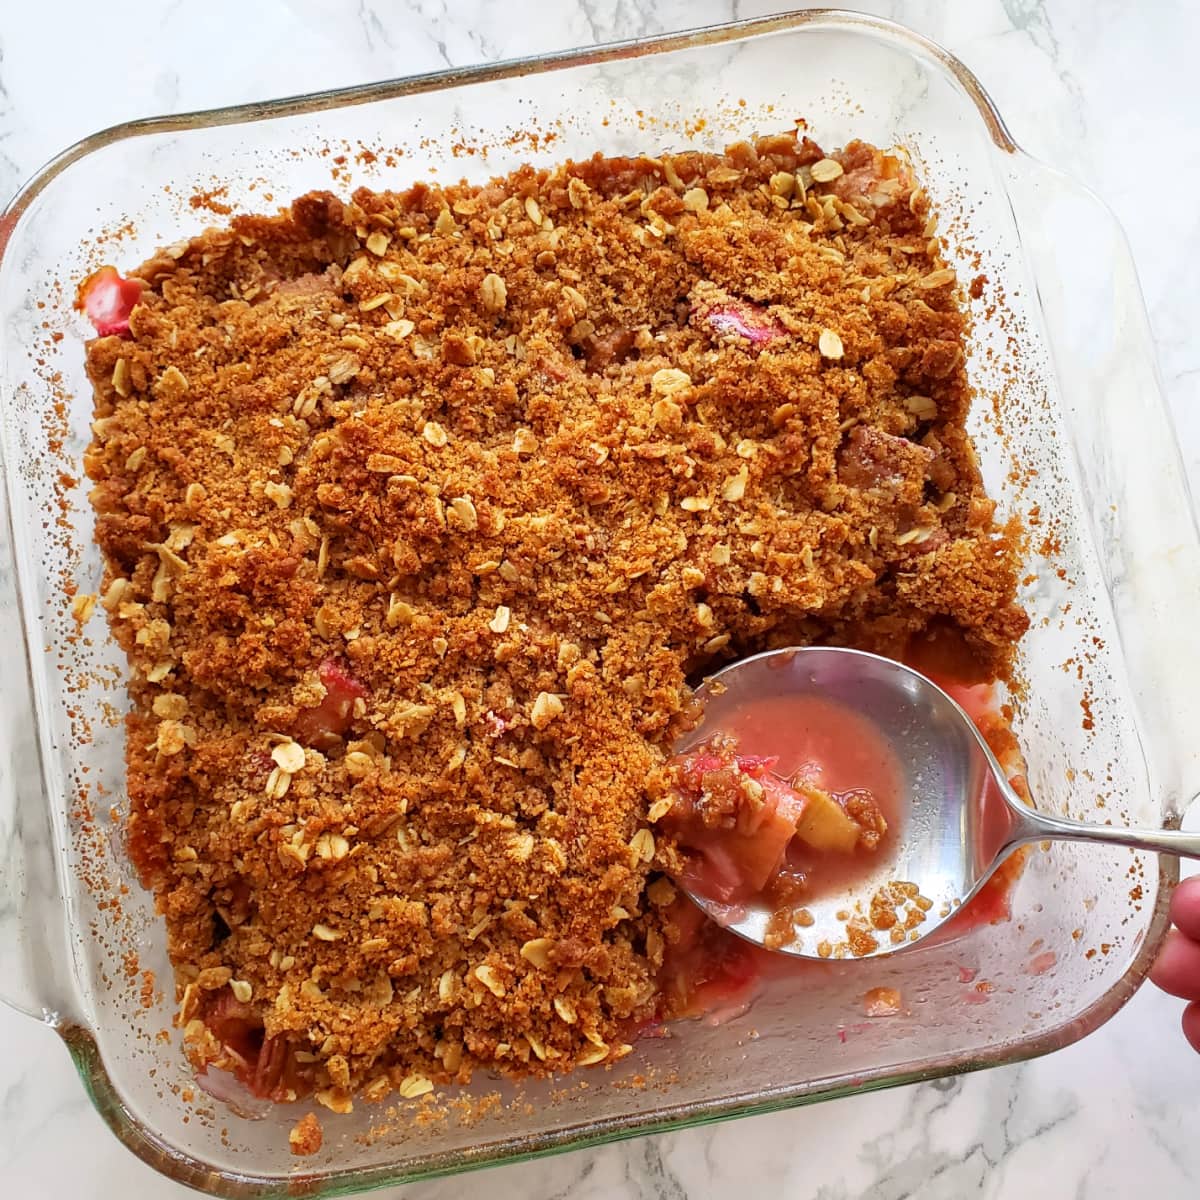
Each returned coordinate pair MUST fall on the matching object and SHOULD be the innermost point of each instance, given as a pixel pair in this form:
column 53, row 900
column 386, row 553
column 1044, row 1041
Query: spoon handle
column 1034, row 826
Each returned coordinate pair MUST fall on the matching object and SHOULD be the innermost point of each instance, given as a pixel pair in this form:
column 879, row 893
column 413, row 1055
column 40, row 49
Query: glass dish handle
column 34, row 958
column 1135, row 490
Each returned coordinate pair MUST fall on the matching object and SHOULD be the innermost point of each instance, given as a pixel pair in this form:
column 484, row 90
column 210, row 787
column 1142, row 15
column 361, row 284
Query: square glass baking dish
column 1072, row 434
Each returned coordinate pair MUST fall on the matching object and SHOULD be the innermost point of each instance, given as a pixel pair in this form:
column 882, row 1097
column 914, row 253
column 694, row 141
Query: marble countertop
column 1101, row 88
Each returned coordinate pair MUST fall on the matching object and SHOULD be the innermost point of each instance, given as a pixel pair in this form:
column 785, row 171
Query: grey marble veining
column 1104, row 90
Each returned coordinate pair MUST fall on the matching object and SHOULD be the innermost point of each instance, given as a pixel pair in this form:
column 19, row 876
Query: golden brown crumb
column 306, row 1135
column 420, row 511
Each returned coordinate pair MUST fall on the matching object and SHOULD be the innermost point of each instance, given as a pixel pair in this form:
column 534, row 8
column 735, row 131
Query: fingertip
column 1185, row 907
column 1191, row 1025
column 1177, row 968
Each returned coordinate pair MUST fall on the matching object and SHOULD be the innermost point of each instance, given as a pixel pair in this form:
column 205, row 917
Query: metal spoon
column 963, row 817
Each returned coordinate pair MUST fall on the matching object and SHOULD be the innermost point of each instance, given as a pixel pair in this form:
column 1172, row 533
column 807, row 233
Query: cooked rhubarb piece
column 824, row 824
column 705, row 970
column 730, row 317
column 742, row 827
column 870, row 458
column 331, row 718
column 264, row 1064
column 107, row 299
column 737, row 819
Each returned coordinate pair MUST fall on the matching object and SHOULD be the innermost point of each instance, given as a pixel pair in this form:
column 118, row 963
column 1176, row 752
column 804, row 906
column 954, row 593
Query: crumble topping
column 419, row 513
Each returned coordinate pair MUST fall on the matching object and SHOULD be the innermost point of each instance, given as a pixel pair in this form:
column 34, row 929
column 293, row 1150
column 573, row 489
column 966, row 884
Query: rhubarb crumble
column 421, row 512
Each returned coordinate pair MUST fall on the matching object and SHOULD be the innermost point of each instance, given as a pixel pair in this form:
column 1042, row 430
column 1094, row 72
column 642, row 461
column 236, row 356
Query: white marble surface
column 1103, row 88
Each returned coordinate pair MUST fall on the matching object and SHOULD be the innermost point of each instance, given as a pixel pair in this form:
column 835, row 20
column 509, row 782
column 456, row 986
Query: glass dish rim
column 143, row 1140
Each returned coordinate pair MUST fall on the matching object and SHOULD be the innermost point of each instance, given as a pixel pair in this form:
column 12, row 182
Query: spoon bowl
column 959, row 817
